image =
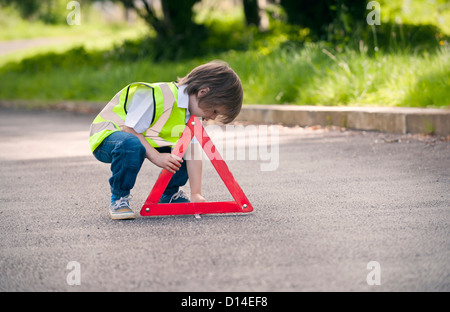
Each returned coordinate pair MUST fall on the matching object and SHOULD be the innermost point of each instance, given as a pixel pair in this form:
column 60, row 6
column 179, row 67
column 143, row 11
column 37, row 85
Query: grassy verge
column 278, row 67
column 316, row 76
column 312, row 75
column 91, row 38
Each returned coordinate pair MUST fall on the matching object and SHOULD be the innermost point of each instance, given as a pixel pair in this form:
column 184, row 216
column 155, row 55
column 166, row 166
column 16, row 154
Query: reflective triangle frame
column 240, row 204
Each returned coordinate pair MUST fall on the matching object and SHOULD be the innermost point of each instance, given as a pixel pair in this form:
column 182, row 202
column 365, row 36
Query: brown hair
column 225, row 89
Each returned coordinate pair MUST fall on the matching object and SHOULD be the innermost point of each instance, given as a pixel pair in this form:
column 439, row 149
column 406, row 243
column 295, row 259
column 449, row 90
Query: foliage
column 311, row 75
column 176, row 33
column 47, row 62
column 324, row 16
column 394, row 63
column 47, row 11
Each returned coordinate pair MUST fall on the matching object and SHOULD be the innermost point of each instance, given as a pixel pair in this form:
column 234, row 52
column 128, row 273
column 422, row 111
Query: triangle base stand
column 240, row 204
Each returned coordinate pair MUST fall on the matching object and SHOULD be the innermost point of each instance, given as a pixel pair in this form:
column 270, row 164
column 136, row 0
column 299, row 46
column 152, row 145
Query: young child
column 143, row 121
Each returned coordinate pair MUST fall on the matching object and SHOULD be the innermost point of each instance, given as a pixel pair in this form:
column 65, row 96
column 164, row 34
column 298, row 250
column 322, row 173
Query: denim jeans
column 126, row 154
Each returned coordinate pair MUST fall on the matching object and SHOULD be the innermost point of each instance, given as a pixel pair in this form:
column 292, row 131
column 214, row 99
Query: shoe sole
column 122, row 216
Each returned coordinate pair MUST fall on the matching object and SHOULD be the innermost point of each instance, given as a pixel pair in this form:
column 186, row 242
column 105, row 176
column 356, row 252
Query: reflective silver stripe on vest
column 169, row 100
column 153, row 133
column 108, row 114
column 98, row 127
column 161, row 142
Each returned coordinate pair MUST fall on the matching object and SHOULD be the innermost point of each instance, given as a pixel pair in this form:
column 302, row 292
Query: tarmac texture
column 335, row 201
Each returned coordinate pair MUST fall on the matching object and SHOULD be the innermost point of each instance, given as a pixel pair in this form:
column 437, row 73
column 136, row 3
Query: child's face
column 194, row 109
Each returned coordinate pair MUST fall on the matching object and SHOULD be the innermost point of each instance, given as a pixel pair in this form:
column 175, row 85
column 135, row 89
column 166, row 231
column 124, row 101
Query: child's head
column 218, row 89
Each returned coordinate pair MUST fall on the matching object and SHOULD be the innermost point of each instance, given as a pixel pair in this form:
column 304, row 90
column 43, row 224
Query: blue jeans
column 126, row 154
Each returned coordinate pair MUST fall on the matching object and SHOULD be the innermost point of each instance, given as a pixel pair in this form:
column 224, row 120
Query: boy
column 143, row 121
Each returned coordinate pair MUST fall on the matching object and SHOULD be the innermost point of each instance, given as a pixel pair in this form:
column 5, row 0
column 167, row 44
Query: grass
column 90, row 37
column 311, row 75
column 94, row 33
column 315, row 76
column 273, row 69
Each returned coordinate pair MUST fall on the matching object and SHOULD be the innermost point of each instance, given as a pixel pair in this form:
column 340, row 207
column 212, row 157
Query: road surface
column 338, row 211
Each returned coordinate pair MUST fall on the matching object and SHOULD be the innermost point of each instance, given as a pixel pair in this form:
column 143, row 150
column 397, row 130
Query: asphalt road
column 336, row 201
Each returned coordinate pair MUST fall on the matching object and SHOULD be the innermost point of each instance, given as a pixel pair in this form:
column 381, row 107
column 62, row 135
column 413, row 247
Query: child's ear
column 202, row 92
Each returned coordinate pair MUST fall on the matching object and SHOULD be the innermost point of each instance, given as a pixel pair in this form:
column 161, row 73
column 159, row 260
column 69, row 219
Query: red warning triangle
column 240, row 204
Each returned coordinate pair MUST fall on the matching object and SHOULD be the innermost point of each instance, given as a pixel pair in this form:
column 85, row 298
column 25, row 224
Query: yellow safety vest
column 168, row 120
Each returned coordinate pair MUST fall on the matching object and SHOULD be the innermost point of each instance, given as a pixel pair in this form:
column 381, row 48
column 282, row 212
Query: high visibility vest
column 168, row 121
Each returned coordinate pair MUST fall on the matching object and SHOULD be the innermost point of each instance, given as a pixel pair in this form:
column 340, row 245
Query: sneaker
column 178, row 197
column 121, row 210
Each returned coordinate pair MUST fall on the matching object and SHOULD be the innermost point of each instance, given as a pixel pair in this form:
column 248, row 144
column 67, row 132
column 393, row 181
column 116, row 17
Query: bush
column 73, row 58
column 402, row 37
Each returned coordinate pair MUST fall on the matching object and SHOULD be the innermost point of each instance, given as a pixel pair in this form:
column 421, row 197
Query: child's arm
column 194, row 168
column 164, row 160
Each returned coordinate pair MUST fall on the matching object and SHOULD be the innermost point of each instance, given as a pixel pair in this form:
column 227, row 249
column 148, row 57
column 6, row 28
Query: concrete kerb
column 82, row 107
column 384, row 119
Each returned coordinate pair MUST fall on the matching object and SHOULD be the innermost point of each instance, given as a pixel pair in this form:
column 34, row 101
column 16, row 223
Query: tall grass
column 315, row 76
column 311, row 75
column 276, row 67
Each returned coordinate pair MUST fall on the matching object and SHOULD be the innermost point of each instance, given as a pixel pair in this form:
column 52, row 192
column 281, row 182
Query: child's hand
column 167, row 161
column 196, row 198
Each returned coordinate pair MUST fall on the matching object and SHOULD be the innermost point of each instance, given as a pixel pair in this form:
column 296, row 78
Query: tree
column 176, row 20
column 251, row 12
column 177, row 36
column 26, row 7
column 47, row 11
column 319, row 15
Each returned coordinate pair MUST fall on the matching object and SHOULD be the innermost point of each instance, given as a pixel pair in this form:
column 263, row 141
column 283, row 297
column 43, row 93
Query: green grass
column 417, row 12
column 315, row 76
column 308, row 76
column 274, row 68
column 91, row 37
column 94, row 33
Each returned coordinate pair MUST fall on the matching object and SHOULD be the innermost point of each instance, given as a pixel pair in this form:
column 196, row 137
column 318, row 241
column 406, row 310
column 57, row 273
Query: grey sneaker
column 178, row 197
column 121, row 210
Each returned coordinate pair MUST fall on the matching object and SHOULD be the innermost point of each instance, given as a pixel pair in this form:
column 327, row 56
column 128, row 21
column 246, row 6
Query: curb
column 82, row 107
column 384, row 119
